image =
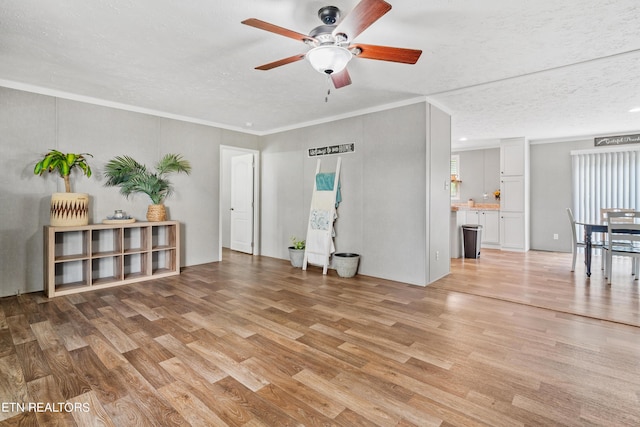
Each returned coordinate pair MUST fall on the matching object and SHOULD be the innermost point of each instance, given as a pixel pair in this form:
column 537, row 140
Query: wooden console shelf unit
column 82, row 258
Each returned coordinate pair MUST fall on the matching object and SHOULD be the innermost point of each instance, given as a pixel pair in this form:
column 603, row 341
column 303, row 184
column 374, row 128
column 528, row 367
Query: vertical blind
column 604, row 180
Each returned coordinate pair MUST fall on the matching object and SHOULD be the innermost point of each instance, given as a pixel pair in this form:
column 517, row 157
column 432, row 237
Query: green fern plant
column 133, row 177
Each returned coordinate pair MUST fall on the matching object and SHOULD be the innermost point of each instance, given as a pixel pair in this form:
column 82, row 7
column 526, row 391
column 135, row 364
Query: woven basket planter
column 69, row 209
column 156, row 213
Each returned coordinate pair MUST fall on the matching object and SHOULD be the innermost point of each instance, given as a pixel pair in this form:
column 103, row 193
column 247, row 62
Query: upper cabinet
column 512, row 157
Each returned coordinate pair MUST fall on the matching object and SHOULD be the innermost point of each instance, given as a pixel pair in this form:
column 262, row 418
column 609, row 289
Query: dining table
column 589, row 229
column 595, row 227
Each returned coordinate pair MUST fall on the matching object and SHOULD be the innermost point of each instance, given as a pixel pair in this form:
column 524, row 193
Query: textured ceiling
column 502, row 68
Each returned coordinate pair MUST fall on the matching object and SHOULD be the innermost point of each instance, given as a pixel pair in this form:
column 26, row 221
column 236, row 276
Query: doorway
column 239, row 200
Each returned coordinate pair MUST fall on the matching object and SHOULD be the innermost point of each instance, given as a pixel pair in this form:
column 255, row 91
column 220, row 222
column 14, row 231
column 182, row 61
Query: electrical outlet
column 555, row 236
column 437, row 255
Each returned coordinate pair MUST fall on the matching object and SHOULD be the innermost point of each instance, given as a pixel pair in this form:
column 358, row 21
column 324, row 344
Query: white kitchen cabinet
column 472, row 217
column 512, row 157
column 490, row 222
column 512, row 193
column 512, row 230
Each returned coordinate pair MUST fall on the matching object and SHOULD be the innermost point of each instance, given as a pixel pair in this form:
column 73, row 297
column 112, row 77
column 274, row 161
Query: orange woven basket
column 156, row 213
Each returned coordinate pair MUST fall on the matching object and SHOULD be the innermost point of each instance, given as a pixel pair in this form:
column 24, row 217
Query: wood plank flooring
column 252, row 341
column 544, row 279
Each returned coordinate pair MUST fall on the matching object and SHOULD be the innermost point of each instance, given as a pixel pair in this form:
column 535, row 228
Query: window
column 604, row 179
column 455, row 173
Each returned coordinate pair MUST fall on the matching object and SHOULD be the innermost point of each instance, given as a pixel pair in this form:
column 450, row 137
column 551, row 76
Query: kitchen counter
column 477, row 207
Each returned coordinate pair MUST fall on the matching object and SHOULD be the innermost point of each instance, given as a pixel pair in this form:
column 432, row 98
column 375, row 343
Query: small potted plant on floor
column 133, row 177
column 67, row 209
column 296, row 252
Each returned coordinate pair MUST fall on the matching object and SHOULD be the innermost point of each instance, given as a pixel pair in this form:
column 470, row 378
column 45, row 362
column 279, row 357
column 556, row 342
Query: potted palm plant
column 67, row 208
column 133, row 177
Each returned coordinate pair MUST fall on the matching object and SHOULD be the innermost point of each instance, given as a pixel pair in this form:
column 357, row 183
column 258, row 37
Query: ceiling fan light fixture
column 329, row 59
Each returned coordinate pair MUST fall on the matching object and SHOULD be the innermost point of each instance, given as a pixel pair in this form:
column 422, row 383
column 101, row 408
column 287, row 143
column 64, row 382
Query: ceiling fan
column 331, row 43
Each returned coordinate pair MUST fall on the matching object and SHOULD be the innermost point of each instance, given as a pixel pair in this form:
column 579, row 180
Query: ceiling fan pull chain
column 326, row 98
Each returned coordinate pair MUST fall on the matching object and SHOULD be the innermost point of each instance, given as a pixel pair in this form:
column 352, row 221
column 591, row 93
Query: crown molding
column 117, row 105
column 120, row 106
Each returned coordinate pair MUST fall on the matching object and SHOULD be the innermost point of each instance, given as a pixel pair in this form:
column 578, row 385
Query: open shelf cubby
column 71, row 246
column 106, row 270
column 106, row 242
column 136, row 239
column 135, row 265
column 162, row 261
column 163, row 236
column 81, row 258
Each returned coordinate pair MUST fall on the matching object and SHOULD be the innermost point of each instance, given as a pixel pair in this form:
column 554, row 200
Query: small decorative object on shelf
column 496, row 194
column 119, row 217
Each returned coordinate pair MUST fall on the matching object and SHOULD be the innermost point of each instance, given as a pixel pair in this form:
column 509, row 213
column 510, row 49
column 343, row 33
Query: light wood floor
column 544, row 279
column 252, row 341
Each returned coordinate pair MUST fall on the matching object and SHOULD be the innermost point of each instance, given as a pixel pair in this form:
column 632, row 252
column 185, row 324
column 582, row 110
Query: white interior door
column 242, row 203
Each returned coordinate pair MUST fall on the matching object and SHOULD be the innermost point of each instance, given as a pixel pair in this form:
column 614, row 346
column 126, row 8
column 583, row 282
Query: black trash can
column 471, row 238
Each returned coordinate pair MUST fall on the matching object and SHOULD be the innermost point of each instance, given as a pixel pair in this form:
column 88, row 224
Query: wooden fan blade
column 386, row 53
column 280, row 62
column 341, row 79
column 262, row 25
column 364, row 14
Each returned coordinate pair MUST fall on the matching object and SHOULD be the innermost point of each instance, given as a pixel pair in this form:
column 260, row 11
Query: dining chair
column 604, row 216
column 623, row 239
column 577, row 243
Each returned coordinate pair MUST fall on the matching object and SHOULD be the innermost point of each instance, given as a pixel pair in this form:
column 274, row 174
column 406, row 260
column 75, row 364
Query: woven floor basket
column 156, row 213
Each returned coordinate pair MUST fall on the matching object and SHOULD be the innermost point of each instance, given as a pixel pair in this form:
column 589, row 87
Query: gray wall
column 31, row 124
column 388, row 184
column 27, row 129
column 551, row 193
column 479, row 173
column 439, row 196
column 384, row 187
